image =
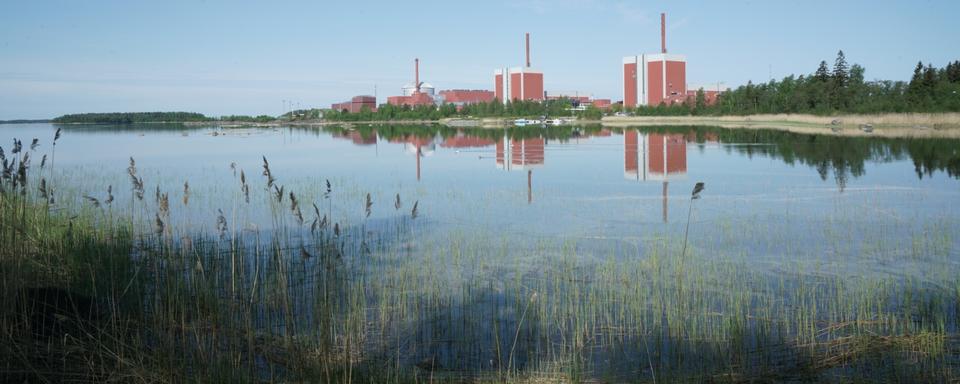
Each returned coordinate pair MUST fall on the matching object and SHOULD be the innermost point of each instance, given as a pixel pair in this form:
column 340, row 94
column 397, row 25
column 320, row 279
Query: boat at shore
column 525, row 122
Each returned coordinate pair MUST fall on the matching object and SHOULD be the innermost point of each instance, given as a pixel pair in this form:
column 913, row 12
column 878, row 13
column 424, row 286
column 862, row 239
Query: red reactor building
column 651, row 79
column 518, row 83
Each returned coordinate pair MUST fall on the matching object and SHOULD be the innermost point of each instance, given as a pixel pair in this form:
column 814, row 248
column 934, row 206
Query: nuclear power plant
column 655, row 78
column 649, row 79
column 518, row 83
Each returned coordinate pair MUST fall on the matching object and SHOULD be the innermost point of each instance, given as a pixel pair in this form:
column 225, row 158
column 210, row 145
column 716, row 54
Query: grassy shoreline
column 894, row 125
column 891, row 125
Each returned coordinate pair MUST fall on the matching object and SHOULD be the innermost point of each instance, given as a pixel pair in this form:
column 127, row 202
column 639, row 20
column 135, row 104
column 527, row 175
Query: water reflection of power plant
column 647, row 156
column 519, row 154
column 654, row 157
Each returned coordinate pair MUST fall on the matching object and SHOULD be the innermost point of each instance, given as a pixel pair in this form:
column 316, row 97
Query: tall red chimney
column 528, row 49
column 416, row 76
column 663, row 32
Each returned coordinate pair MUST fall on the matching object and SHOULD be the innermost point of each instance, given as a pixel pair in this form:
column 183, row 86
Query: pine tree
column 840, row 75
column 953, row 72
column 929, row 77
column 917, row 76
column 700, row 101
column 822, row 74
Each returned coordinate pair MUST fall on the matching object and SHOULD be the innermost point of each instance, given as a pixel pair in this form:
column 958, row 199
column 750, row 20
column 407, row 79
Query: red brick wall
column 676, row 81
column 630, row 76
column 533, row 86
column 467, row 96
column 515, row 86
column 654, row 83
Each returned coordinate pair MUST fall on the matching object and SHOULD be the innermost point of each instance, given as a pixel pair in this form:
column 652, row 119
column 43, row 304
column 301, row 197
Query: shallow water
column 580, row 183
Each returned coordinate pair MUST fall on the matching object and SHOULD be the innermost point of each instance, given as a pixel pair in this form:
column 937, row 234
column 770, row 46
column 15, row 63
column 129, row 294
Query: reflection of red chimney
column 416, row 76
column 528, row 49
column 663, row 32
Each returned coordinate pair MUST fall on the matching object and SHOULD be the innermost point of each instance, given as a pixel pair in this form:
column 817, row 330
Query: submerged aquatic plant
column 295, row 208
column 368, row 205
column 221, row 223
column 699, row 187
column 135, row 181
column 93, row 200
column 109, row 199
column 244, row 187
column 158, row 224
column 43, row 190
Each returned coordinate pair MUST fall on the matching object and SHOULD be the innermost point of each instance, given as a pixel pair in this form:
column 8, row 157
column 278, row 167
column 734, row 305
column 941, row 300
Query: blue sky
column 245, row 57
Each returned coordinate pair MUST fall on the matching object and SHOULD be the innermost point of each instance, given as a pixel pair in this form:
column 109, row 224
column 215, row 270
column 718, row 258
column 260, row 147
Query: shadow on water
column 581, row 322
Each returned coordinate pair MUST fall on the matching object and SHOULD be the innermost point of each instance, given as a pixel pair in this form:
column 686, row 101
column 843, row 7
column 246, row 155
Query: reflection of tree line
column 844, row 156
column 394, row 132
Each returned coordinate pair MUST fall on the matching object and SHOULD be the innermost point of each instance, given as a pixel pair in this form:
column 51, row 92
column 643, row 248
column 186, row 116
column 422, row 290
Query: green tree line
column 495, row 108
column 131, row 117
column 841, row 88
column 248, row 119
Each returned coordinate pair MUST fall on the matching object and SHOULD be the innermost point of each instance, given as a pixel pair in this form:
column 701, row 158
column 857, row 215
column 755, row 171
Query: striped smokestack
column 416, row 76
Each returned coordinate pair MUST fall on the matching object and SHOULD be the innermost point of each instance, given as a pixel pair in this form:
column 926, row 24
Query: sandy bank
column 885, row 125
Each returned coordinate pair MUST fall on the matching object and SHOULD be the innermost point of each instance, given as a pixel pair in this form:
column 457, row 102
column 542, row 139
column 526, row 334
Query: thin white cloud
column 680, row 24
column 630, row 13
column 626, row 11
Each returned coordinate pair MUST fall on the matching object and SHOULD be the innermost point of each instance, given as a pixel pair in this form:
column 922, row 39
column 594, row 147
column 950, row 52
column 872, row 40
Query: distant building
column 518, row 83
column 410, row 89
column 601, row 103
column 652, row 79
column 414, row 95
column 710, row 92
column 412, row 100
column 356, row 104
column 574, row 97
column 460, row 97
column 580, row 101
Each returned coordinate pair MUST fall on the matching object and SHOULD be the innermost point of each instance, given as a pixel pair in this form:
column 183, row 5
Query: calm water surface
column 566, row 183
